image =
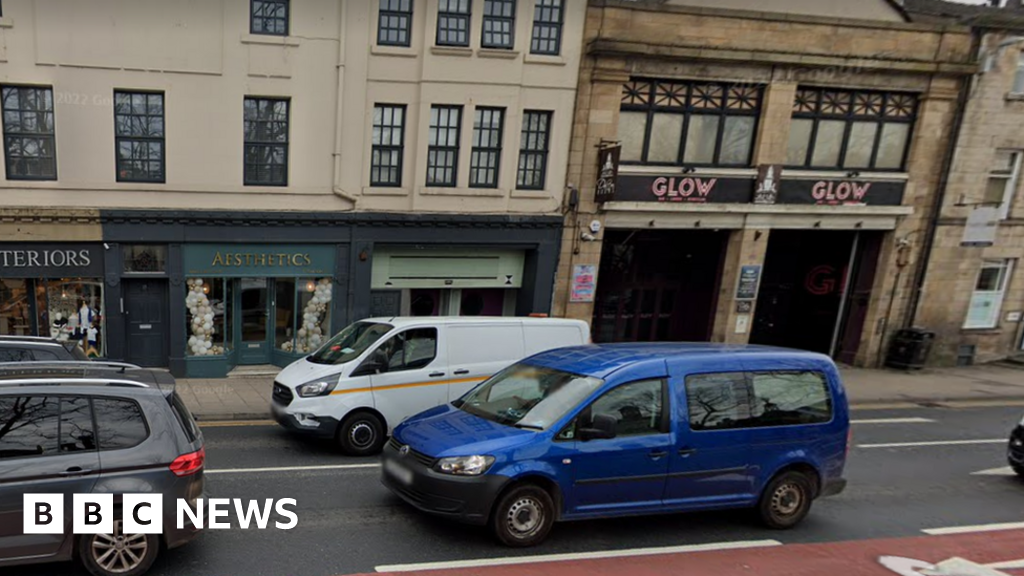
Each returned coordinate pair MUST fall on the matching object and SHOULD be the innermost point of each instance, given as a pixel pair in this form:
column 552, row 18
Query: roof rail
column 76, row 381
column 122, row 366
column 30, row 338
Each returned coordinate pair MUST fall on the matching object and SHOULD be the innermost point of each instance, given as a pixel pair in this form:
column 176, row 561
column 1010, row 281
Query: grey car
column 38, row 349
column 94, row 428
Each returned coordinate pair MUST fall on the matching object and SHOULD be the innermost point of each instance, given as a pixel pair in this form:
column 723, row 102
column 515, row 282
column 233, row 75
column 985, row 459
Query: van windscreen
column 350, row 343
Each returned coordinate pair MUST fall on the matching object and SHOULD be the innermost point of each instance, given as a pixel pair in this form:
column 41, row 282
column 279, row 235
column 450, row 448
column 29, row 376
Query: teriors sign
column 50, row 260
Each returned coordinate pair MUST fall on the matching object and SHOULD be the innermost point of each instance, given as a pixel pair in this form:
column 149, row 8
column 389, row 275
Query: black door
column 145, row 310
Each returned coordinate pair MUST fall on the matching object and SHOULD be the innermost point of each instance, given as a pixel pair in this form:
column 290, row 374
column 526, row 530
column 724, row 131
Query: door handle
column 658, row 454
column 436, row 374
column 684, row 452
column 75, row 471
column 462, row 372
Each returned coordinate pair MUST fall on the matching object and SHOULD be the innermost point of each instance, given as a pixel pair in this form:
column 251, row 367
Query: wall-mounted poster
column 750, row 276
column 584, row 283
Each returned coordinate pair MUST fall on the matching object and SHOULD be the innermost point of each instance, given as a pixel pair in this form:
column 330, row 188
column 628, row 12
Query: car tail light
column 189, row 464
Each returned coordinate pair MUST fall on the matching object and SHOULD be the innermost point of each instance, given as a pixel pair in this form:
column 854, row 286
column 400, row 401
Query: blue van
column 627, row 429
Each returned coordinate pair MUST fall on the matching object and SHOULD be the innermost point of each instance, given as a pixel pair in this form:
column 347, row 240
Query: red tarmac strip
column 854, row 558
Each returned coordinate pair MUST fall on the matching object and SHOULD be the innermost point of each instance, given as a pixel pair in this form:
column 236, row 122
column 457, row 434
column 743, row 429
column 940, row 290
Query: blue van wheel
column 786, row 500
column 524, row 516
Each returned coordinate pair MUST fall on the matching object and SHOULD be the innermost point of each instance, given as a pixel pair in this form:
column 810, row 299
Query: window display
column 313, row 326
column 73, row 310
column 209, row 319
column 15, row 308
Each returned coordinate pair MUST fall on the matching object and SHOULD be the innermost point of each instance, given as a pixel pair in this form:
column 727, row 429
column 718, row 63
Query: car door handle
column 684, row 452
column 461, row 372
column 76, row 471
column 436, row 374
column 658, row 454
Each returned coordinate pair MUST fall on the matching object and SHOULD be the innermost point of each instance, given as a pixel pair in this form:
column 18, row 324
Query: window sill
column 7, row 22
column 464, row 52
column 269, row 40
column 1015, row 97
column 987, row 331
column 385, row 191
column 532, row 194
column 468, row 192
column 403, row 51
column 497, row 53
column 545, row 59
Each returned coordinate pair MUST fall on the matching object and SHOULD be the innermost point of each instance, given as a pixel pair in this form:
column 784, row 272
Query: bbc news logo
column 144, row 514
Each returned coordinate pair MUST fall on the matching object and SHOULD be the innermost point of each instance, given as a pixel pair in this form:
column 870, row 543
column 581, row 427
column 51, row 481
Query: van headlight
column 311, row 389
column 465, row 465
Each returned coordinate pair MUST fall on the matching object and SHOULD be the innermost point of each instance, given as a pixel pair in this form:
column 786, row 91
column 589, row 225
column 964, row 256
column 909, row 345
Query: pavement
column 245, row 394
column 927, row 484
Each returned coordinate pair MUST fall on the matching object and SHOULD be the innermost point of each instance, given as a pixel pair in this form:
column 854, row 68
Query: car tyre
column 1019, row 470
column 786, row 500
column 524, row 516
column 118, row 554
column 361, row 434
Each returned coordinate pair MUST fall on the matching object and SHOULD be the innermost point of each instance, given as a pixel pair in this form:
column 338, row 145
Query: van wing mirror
column 603, row 427
column 368, row 368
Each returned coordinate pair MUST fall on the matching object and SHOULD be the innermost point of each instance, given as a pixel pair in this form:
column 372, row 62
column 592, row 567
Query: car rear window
column 120, row 423
column 31, row 425
column 184, row 416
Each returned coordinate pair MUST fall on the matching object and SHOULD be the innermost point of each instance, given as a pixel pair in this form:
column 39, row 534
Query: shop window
column 394, row 23
column 15, row 308
column 209, row 317
column 989, row 290
column 443, row 148
column 533, row 150
column 485, row 157
column 73, row 309
column 688, row 123
column 499, row 24
column 547, row 27
column 139, row 136
column 453, row 23
column 29, row 133
column 144, row 259
column 1003, row 180
column 266, row 141
column 854, row 130
column 269, row 17
column 302, row 332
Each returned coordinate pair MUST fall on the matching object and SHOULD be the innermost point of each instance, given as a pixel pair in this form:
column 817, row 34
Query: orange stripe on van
column 411, row 385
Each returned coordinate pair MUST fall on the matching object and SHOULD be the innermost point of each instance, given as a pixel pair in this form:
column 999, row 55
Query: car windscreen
column 528, row 396
column 350, row 343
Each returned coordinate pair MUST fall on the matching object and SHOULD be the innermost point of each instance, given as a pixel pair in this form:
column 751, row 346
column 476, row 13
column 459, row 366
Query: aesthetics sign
column 239, row 260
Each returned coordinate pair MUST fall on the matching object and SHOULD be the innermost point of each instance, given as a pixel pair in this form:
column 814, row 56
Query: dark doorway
column 804, row 301
column 145, row 311
column 658, row 285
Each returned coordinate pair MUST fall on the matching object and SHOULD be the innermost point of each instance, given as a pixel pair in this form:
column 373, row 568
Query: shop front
column 252, row 304
column 435, row 281
column 54, row 290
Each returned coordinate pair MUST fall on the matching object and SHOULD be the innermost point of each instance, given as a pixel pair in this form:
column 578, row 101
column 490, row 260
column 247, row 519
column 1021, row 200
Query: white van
column 377, row 372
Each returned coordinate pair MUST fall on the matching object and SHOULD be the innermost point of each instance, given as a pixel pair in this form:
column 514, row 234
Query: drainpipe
column 339, row 108
column 920, row 274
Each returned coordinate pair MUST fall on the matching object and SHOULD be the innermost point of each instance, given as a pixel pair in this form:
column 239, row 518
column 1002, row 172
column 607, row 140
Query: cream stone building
column 206, row 184
column 972, row 294
column 776, row 167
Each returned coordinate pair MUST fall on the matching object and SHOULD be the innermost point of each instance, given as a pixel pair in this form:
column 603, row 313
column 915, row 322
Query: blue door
column 710, row 463
column 626, row 472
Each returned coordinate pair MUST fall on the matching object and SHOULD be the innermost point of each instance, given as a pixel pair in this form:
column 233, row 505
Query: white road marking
column 291, row 468
column 1009, row 565
column 893, row 421
column 934, row 443
column 973, row 529
column 579, row 556
column 1004, row 471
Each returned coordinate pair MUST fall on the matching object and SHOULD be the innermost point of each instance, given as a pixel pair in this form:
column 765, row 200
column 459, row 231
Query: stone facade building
column 776, row 170
column 973, row 288
column 206, row 184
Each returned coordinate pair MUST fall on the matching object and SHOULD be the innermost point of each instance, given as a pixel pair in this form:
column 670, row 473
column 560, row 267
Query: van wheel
column 1019, row 470
column 118, row 554
column 786, row 500
column 361, row 434
column 524, row 516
